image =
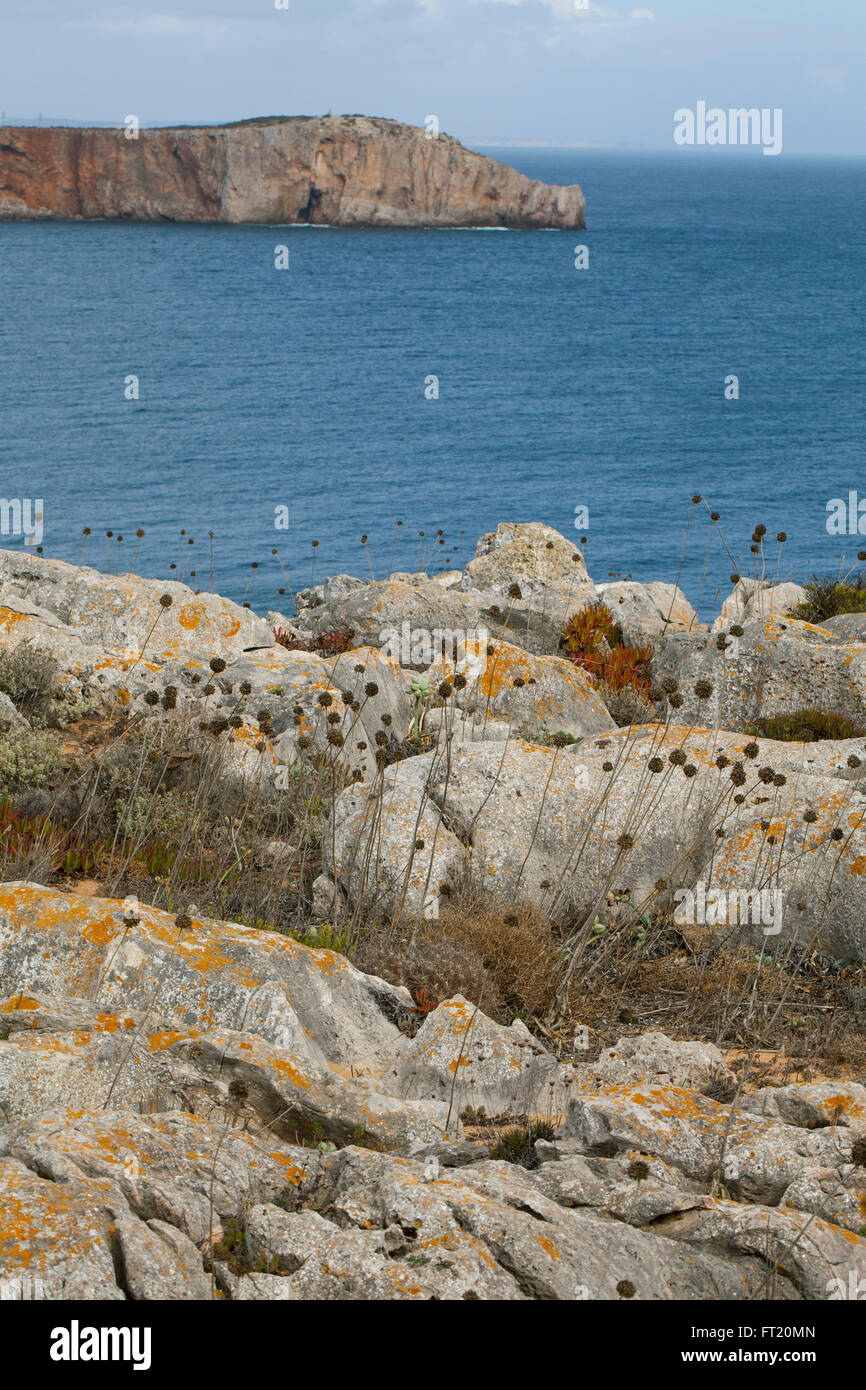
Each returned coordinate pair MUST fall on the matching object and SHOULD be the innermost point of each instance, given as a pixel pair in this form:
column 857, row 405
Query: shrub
column 626, row 706
column 431, row 969
column 517, row 1145
column 594, row 642
column 29, row 757
column 807, row 726
column 517, row 945
column 27, row 675
column 829, row 597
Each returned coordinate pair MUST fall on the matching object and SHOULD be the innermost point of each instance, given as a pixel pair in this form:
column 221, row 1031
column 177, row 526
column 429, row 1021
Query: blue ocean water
column 305, row 388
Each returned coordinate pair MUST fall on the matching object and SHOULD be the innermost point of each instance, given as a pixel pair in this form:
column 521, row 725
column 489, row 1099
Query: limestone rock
column 530, row 693
column 777, row 666
column 529, row 554
column 464, row 1059
column 756, row 598
column 333, row 170
column 212, row 975
column 659, row 1061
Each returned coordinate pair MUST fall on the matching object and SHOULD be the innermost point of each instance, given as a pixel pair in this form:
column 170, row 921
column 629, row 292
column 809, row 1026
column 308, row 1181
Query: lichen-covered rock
column 528, row 554
column 778, row 665
column 645, row 611
column 210, row 975
column 816, row 1105
column 43, row 1071
column 803, row 1257
column 659, row 1061
column 57, row 1238
column 525, row 821
column 480, row 1232
column 389, row 847
column 123, row 614
column 295, row 1100
column 836, row 1196
column 534, row 695
column 111, row 1204
column 848, row 627
column 756, row 1159
column 464, row 1059
column 757, row 598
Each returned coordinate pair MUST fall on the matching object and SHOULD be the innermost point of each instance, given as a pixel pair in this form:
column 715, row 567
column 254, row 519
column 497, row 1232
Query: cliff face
column 343, row 170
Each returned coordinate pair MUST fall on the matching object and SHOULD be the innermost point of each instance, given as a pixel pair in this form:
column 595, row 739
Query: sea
column 704, row 337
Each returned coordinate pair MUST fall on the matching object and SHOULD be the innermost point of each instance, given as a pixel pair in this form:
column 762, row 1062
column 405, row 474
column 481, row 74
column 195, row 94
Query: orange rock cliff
column 342, row 170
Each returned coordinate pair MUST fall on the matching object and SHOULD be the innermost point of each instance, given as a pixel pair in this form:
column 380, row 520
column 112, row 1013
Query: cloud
column 583, row 11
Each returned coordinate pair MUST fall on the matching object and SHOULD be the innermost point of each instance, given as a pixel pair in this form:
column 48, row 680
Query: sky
column 490, row 70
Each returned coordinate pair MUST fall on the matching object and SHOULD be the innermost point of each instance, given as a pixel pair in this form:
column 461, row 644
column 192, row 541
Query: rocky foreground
column 215, row 1111
column 194, row 1108
column 337, row 170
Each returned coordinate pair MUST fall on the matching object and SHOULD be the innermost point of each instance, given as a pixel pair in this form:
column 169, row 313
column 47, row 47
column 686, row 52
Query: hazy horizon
column 494, row 72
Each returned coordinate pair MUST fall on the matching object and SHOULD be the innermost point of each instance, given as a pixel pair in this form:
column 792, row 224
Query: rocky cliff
column 343, row 170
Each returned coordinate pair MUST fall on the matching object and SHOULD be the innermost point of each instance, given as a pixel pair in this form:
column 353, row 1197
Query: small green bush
column 830, row 597
column 807, row 726
column 518, row 1145
column 29, row 757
